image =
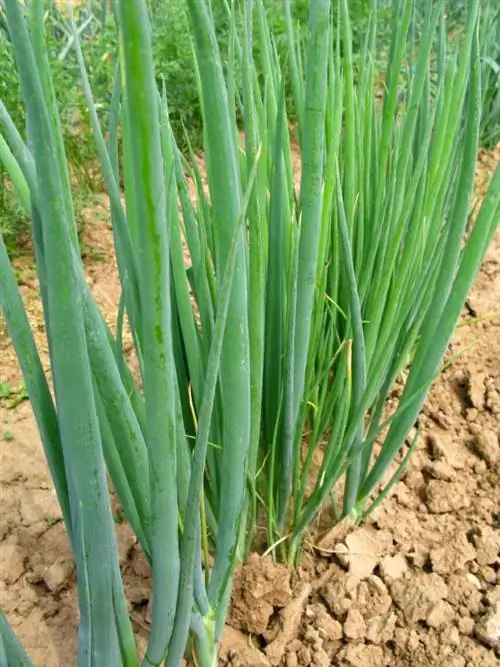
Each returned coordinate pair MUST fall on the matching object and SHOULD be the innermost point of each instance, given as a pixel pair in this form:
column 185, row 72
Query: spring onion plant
column 328, row 261
column 489, row 133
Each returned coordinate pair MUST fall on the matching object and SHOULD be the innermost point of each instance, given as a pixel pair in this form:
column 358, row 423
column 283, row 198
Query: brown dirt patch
column 418, row 585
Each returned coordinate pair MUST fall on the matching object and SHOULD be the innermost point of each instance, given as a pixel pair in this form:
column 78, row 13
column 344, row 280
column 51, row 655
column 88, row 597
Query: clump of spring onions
column 280, row 343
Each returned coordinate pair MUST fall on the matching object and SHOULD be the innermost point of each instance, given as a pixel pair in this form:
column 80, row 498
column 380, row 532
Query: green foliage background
column 175, row 69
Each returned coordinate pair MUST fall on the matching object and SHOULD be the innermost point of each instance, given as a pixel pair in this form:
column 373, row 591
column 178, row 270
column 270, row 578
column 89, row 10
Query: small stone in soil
column 11, row 563
column 476, row 388
column 493, row 596
column 37, row 506
column 419, row 555
column 57, row 574
column 487, row 447
column 440, row 615
column 471, row 415
column 463, row 594
column 414, row 480
column 321, row 658
column 488, row 574
column 440, row 470
column 487, row 629
column 466, row 625
column 393, row 567
column 404, row 496
column 480, row 468
column 418, row 596
column 443, row 447
column 474, row 580
column 493, row 401
column 453, row 556
column 372, row 597
column 380, row 629
column 328, row 628
column 413, row 640
column 334, row 594
column 487, row 542
column 312, row 636
column 450, row 636
column 364, row 550
column 356, row 655
column 342, row 554
column 445, row 497
column 354, row 626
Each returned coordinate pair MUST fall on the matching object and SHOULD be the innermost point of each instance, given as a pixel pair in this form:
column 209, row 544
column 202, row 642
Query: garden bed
column 418, row 584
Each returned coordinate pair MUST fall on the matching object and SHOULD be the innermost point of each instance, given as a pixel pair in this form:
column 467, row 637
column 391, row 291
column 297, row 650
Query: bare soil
column 417, row 585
